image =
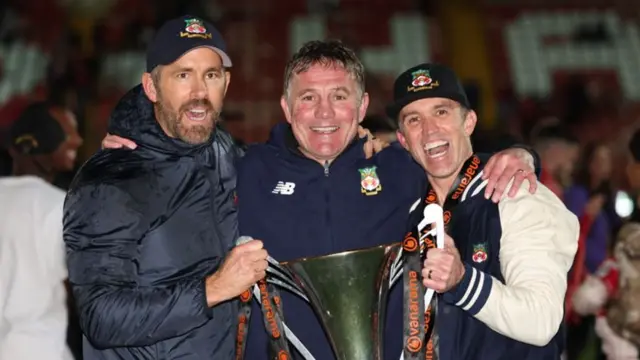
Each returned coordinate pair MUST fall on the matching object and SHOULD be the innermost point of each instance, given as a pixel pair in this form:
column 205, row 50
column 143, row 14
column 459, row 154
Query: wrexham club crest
column 195, row 28
column 369, row 181
column 422, row 80
column 479, row 253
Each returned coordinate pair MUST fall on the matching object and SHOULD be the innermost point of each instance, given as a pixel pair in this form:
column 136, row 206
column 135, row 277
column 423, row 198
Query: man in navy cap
column 502, row 275
column 149, row 232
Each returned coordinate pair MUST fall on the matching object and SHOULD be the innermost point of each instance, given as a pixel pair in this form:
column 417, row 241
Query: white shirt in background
column 33, row 310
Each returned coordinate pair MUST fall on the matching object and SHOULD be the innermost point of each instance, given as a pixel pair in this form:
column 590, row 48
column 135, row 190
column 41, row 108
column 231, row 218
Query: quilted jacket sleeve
column 102, row 230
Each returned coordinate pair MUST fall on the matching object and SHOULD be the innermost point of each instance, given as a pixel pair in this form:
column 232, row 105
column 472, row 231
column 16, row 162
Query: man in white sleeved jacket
column 502, row 274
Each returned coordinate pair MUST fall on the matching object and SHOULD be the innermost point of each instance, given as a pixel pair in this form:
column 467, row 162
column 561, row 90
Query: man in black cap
column 503, row 272
column 43, row 141
column 149, row 232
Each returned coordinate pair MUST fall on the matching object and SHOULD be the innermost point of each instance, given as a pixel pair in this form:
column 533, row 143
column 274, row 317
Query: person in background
column 590, row 197
column 558, row 152
column 66, row 138
column 42, row 142
column 633, row 173
column 612, row 292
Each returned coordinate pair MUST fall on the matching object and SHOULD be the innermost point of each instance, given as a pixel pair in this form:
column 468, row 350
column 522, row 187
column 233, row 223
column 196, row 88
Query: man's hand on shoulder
column 242, row 268
column 117, row 142
column 511, row 164
column 373, row 144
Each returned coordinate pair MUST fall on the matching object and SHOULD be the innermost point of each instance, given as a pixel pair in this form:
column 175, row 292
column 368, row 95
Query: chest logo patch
column 369, row 181
column 479, row 253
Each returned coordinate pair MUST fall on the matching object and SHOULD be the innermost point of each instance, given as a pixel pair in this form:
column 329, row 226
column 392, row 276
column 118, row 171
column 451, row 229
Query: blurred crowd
column 581, row 130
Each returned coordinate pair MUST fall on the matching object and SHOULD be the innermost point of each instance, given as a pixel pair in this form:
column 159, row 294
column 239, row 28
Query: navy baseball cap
column 178, row 36
column 426, row 81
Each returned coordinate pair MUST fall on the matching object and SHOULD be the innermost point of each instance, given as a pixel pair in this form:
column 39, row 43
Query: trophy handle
column 433, row 214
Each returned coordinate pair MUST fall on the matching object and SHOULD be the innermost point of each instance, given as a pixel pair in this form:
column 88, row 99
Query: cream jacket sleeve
column 538, row 244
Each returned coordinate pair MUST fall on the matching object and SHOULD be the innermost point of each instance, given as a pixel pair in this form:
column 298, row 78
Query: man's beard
column 194, row 134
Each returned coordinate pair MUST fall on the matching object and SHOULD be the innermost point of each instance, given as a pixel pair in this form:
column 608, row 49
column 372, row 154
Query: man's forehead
column 428, row 104
column 324, row 73
column 198, row 56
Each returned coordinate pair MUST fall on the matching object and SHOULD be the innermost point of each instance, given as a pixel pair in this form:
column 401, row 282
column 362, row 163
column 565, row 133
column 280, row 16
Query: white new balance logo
column 284, row 188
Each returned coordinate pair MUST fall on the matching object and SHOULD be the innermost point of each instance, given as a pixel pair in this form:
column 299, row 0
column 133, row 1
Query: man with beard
column 147, row 231
column 42, row 143
column 559, row 152
column 502, row 275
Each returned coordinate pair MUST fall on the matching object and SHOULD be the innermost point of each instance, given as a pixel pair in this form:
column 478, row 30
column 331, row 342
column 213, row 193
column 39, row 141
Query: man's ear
column 227, row 77
column 364, row 105
column 149, row 87
column 402, row 140
column 470, row 122
column 285, row 108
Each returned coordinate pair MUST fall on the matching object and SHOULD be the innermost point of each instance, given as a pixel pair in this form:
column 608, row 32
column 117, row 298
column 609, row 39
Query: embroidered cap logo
column 194, row 28
column 422, row 80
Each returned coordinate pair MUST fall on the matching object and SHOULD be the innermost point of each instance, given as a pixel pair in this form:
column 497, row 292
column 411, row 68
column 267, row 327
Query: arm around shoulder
column 103, row 226
column 538, row 244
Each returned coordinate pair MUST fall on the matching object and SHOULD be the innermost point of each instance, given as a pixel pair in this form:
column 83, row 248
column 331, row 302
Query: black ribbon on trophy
column 271, row 305
column 306, row 278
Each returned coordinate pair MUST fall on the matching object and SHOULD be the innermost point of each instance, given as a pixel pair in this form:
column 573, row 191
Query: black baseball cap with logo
column 183, row 34
column 426, row 81
column 36, row 131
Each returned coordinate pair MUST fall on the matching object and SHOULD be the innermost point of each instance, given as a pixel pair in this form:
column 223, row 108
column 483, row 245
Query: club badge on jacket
column 479, row 253
column 369, row 181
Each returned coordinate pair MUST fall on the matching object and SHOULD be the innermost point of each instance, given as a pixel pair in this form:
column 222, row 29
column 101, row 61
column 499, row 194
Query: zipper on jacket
column 327, row 205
